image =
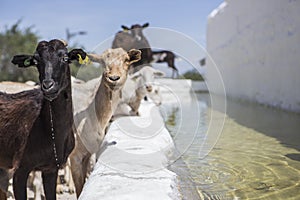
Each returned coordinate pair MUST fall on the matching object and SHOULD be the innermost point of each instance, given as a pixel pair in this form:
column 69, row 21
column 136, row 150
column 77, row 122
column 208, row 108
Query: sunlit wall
column 256, row 46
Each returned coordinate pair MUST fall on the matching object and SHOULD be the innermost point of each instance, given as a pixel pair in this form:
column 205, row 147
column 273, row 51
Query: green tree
column 14, row 41
column 193, row 75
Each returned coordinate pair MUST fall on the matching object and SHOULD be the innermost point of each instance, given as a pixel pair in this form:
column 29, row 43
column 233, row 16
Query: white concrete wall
column 256, row 46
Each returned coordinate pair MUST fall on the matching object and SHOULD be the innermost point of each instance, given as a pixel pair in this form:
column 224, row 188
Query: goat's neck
column 62, row 104
column 140, row 90
column 106, row 101
column 62, row 115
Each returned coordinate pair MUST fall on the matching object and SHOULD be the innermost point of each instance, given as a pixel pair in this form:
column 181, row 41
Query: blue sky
column 102, row 19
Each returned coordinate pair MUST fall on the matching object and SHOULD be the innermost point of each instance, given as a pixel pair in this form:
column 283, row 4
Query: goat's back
column 18, row 112
column 84, row 93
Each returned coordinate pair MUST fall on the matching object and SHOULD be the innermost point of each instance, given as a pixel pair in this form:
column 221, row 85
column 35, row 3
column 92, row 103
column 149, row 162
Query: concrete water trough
column 134, row 166
column 136, row 160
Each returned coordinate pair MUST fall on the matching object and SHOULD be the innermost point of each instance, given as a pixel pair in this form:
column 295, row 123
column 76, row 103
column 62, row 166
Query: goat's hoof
column 133, row 113
column 60, row 189
column 71, row 190
column 112, row 143
column 112, row 119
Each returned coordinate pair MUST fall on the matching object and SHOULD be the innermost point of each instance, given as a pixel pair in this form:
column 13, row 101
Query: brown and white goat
column 92, row 121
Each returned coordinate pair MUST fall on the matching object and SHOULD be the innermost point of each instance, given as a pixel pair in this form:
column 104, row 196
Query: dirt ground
column 64, row 196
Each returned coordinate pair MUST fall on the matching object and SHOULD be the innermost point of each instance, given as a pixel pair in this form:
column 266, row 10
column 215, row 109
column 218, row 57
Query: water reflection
column 256, row 157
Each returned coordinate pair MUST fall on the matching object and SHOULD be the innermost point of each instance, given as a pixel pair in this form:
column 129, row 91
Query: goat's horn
column 64, row 42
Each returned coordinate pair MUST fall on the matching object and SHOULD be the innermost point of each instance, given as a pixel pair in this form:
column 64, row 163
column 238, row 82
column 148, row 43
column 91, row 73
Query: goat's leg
column 177, row 73
column 78, row 177
column 3, row 184
column 77, row 159
column 135, row 105
column 85, row 166
column 20, row 183
column 3, row 195
column 69, row 178
column 171, row 64
column 49, row 183
column 79, row 172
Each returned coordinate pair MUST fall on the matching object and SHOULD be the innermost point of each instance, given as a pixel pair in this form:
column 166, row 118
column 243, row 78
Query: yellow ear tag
column 85, row 61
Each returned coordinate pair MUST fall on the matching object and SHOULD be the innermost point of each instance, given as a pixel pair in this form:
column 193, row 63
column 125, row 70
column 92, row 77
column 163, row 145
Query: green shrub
column 14, row 41
column 193, row 75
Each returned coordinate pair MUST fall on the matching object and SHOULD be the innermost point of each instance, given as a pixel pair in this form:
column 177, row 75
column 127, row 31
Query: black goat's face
column 51, row 59
column 52, row 63
column 137, row 30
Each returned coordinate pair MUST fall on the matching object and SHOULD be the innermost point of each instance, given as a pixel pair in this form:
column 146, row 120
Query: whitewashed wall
column 256, row 46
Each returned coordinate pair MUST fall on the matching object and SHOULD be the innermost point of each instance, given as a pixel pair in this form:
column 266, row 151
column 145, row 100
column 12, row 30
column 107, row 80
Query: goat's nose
column 47, row 84
column 114, row 78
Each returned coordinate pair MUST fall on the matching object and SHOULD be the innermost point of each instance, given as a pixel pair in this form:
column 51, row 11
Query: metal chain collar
column 53, row 137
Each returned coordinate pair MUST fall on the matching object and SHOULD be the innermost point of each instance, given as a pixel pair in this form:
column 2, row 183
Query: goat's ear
column 135, row 75
column 134, row 55
column 96, row 58
column 159, row 73
column 79, row 55
column 24, row 60
column 146, row 25
column 125, row 28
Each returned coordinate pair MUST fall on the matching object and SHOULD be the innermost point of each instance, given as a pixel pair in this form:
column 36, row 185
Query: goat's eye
column 65, row 58
column 36, row 56
column 35, row 61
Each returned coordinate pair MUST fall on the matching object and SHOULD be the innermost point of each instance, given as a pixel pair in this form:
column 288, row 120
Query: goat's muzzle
column 48, row 88
column 114, row 78
column 47, row 84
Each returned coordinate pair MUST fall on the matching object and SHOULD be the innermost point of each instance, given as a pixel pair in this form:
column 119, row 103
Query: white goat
column 138, row 86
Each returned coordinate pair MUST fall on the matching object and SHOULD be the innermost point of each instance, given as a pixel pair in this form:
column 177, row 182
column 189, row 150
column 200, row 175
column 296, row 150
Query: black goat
column 165, row 56
column 51, row 138
column 133, row 38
